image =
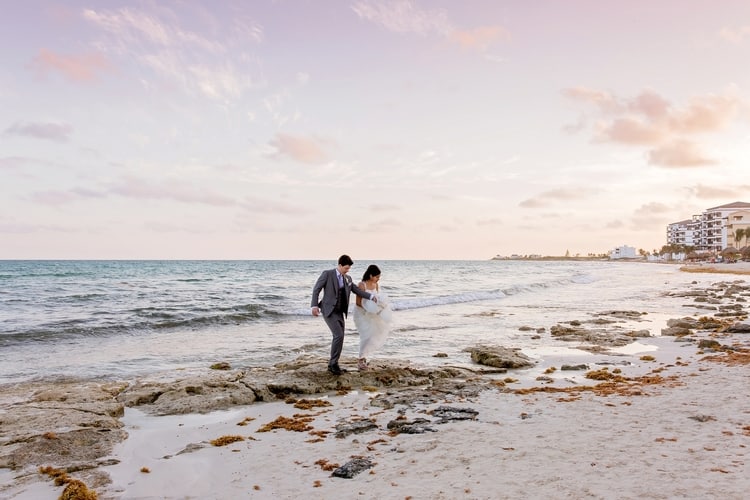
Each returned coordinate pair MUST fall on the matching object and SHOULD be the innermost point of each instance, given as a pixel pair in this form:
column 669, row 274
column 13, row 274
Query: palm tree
column 738, row 235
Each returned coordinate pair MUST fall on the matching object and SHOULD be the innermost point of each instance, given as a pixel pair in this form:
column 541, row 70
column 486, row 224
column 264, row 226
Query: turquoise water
column 126, row 318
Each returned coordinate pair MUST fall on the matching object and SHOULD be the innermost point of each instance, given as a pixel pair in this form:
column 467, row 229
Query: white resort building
column 713, row 230
column 623, row 252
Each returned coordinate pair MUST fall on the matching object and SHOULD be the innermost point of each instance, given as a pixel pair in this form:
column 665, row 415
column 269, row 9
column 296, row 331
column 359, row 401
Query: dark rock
column 416, row 426
column 708, row 344
column 358, row 427
column 676, row 331
column 449, row 413
column 574, row 367
column 352, row 468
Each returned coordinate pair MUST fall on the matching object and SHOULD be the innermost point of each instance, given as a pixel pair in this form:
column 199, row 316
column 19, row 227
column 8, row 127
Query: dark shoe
column 336, row 370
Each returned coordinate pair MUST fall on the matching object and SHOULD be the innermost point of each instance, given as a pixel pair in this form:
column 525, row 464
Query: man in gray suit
column 336, row 287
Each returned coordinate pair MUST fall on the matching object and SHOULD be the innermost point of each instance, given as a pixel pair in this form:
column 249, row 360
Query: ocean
column 124, row 319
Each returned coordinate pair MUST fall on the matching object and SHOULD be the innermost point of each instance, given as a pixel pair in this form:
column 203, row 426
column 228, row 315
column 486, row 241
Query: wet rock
column 574, row 367
column 352, row 468
column 639, row 333
column 675, row 331
column 198, row 394
column 416, row 426
column 358, row 427
column 499, row 357
column 450, row 413
column 709, row 344
column 68, row 424
column 740, row 327
column 632, row 315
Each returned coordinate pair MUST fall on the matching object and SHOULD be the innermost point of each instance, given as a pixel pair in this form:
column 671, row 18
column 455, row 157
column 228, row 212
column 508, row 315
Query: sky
column 389, row 129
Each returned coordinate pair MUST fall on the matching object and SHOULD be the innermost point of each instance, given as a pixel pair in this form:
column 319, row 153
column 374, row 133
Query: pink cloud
column 13, row 162
column 478, row 38
column 604, row 100
column 51, row 131
column 300, row 149
column 56, row 198
column 679, row 153
column 132, row 187
column 651, row 120
column 735, row 35
column 705, row 114
column 259, row 205
column 631, row 131
column 402, row 16
column 650, row 104
column 545, row 198
column 709, row 192
column 80, row 68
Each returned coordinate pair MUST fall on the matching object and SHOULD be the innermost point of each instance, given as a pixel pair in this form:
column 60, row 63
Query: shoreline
column 660, row 417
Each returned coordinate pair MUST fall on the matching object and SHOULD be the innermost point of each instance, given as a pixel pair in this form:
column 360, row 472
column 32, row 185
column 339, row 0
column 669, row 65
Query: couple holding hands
column 372, row 313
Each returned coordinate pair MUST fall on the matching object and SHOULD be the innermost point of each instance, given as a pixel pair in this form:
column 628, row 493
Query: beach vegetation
column 245, row 421
column 308, row 404
column 223, row 365
column 647, row 358
column 296, row 424
column 225, row 440
column 326, row 465
column 145, row 470
column 75, row 489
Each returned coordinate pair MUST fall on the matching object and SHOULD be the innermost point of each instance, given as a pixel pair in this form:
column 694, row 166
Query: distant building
column 713, row 230
column 623, row 252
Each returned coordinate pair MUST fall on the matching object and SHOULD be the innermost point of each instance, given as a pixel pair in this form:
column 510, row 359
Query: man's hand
column 315, row 311
column 374, row 298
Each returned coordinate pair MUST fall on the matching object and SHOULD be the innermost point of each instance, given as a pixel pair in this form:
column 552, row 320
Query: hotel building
column 713, row 230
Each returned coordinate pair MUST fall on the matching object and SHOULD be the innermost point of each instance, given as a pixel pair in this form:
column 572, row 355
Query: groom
column 336, row 287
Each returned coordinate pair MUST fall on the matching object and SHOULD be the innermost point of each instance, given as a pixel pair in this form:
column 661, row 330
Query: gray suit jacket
column 328, row 283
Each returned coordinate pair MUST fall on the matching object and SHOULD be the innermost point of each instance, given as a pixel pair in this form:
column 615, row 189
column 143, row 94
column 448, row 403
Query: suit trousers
column 337, row 326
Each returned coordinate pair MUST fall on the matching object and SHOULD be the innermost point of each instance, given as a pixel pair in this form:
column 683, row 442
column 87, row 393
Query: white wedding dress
column 373, row 322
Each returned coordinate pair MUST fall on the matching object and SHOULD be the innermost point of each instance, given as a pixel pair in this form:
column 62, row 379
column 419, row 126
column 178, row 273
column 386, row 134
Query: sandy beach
column 666, row 417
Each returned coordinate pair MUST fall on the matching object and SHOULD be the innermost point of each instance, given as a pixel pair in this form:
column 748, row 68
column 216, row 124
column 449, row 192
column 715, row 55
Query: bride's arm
column 359, row 299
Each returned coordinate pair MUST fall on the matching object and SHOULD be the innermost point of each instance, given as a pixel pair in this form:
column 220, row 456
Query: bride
column 373, row 319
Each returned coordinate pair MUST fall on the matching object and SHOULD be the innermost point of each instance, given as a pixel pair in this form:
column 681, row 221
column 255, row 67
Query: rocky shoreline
column 74, row 425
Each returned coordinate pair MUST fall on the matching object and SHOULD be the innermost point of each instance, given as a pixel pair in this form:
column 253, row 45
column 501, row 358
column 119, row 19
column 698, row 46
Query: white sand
column 520, row 446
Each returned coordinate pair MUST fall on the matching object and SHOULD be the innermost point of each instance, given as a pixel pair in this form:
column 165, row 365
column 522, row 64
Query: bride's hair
column 372, row 270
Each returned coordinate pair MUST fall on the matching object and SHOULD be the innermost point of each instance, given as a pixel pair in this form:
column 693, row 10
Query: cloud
column 711, row 193
column 261, row 205
column 495, row 221
column 562, row 194
column 49, row 131
column 132, row 187
column 13, row 162
column 650, row 120
column 25, row 228
column 479, row 38
column 652, row 208
column 218, row 67
column 735, row 35
column 301, row 149
column 679, row 153
column 650, row 216
column 402, row 16
column 77, row 68
column 382, row 207
column 631, row 131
